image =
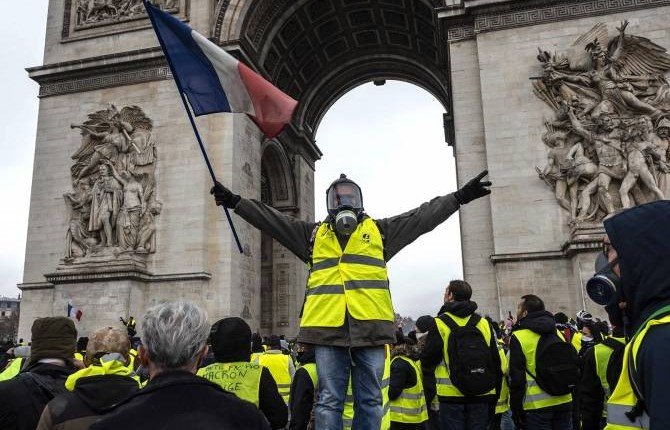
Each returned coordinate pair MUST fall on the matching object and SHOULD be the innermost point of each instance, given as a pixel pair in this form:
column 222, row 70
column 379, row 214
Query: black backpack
column 615, row 363
column 556, row 365
column 471, row 366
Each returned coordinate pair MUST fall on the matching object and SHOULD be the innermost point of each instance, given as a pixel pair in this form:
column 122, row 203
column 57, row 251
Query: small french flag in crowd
column 214, row 81
column 73, row 312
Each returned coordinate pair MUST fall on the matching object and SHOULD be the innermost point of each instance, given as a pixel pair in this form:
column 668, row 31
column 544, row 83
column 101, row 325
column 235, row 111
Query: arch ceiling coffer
column 316, row 50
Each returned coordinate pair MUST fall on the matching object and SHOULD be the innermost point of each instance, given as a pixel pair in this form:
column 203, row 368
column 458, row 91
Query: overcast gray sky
column 388, row 139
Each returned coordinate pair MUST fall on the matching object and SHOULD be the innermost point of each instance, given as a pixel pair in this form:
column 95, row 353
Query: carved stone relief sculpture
column 609, row 136
column 90, row 13
column 113, row 208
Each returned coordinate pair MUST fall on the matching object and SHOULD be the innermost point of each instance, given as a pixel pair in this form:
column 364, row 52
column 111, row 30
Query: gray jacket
column 397, row 232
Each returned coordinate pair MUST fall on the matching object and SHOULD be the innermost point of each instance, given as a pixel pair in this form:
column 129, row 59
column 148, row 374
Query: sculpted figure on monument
column 90, row 13
column 113, row 207
column 606, row 95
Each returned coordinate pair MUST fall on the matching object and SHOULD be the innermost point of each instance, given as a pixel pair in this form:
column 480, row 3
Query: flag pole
column 192, row 120
column 209, row 165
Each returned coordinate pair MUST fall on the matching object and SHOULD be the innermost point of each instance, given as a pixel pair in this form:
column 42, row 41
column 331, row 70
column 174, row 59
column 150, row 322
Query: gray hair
column 174, row 332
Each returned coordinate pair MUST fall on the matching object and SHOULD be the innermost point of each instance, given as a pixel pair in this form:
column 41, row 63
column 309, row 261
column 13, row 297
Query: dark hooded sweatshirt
column 641, row 237
column 93, row 396
column 433, row 351
column 540, row 322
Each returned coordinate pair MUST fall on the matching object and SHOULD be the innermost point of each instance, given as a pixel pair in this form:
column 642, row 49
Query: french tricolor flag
column 73, row 312
column 214, row 81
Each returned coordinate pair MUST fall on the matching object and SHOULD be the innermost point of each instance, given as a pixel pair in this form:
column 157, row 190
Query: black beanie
column 425, row 323
column 231, row 340
column 274, row 342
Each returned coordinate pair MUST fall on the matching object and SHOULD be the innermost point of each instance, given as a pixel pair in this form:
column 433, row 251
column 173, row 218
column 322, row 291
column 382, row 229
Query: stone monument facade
column 139, row 226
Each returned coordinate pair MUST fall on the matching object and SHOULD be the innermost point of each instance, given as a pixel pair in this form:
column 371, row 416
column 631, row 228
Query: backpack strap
column 449, row 321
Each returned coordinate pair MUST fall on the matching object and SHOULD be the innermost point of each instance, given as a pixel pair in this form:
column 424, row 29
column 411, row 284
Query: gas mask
column 345, row 204
column 602, row 287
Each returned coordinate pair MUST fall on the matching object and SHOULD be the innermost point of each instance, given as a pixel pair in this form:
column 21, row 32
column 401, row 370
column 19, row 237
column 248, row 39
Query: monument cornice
column 105, row 71
column 115, row 275
column 494, row 16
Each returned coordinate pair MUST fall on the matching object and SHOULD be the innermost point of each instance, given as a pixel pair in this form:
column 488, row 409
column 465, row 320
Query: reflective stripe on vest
column 386, row 382
column 623, row 399
column 503, row 400
column 240, row 378
column 354, row 280
column 535, row 397
column 442, row 380
column 410, row 407
column 278, row 365
column 348, row 409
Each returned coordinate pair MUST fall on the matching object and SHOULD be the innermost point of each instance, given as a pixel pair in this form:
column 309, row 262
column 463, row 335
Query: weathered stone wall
column 494, row 103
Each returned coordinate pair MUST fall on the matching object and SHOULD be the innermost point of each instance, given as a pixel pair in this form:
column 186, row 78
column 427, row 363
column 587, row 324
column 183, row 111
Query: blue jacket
column 641, row 236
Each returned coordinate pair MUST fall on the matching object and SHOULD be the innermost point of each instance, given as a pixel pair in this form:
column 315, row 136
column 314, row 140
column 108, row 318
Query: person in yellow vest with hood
column 105, row 381
column 533, row 407
column 632, row 281
column 230, row 339
column 347, row 312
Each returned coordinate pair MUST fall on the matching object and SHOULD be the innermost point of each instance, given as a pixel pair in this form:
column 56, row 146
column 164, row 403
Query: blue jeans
column 334, row 364
column 466, row 416
column 556, row 420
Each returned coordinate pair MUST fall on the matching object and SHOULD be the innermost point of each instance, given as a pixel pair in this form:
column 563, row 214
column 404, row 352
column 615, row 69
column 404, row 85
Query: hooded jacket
column 540, row 322
column 93, row 396
column 397, row 232
column 641, row 237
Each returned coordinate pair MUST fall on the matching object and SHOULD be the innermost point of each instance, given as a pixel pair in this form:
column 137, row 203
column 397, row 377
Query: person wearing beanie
column 230, row 339
column 280, row 365
column 303, row 389
column 23, row 398
column 91, row 391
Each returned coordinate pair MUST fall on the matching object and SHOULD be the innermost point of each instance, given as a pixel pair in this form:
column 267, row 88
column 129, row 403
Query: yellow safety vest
column 410, row 407
column 442, row 377
column 278, row 366
column 78, row 356
column 240, row 378
column 348, row 411
column 623, row 399
column 353, row 280
column 115, row 365
column 12, row 369
column 503, row 400
column 535, row 397
column 602, row 354
column 132, row 355
column 576, row 340
column 311, row 371
column 254, row 356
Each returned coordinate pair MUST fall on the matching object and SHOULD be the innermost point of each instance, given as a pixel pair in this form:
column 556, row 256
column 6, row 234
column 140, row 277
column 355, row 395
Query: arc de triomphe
column 121, row 215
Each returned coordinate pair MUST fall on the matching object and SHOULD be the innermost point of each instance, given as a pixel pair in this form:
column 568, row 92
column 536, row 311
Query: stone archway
column 317, row 50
